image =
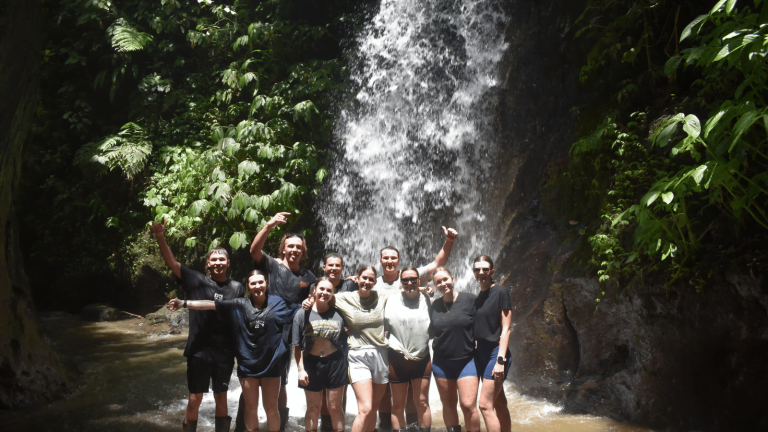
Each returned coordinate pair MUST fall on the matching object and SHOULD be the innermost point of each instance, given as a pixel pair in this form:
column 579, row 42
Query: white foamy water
column 414, row 135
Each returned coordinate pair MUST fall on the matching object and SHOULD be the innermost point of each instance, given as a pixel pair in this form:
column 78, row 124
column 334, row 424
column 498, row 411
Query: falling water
column 414, row 139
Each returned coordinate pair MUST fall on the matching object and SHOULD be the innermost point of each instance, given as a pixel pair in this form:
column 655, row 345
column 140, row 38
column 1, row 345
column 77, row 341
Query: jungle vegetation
column 679, row 152
column 211, row 114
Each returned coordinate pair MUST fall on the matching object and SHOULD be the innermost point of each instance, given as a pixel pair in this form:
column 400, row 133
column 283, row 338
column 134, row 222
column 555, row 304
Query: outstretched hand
column 279, row 218
column 158, row 228
column 450, row 233
column 174, row 305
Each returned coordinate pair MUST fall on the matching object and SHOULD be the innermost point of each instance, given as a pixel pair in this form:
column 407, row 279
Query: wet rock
column 99, row 312
column 180, row 318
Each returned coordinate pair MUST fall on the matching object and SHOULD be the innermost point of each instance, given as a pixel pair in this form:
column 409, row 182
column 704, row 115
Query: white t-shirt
column 407, row 322
column 395, row 284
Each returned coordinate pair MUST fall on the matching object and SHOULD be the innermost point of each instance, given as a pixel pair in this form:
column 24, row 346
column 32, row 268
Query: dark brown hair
column 304, row 250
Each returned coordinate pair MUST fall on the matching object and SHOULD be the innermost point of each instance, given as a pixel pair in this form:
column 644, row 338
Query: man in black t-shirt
column 288, row 280
column 210, row 348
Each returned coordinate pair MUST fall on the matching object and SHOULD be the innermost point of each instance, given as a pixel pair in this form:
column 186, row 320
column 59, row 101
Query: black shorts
column 202, row 368
column 285, row 366
column 327, row 372
column 402, row 370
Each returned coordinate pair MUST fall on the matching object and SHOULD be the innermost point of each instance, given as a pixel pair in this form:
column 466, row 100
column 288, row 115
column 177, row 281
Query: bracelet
column 185, row 304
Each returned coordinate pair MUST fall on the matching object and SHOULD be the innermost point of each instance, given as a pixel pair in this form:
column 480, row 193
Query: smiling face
column 366, row 281
column 409, row 284
column 390, row 260
column 323, row 292
column 444, row 283
column 333, row 268
column 217, row 265
column 483, row 273
column 257, row 285
column 294, row 250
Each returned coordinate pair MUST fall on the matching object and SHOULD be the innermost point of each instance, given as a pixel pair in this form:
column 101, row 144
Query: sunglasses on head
column 299, row 235
column 481, row 270
column 410, row 280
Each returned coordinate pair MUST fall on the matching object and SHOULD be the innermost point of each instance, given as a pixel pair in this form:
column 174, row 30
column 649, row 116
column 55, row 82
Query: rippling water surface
column 129, row 381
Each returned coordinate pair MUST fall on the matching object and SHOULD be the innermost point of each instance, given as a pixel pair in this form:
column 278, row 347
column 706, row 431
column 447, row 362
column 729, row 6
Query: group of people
column 371, row 331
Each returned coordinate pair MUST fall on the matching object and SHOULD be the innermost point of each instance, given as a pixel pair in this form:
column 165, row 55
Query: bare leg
column 270, row 387
column 399, row 392
column 411, row 413
column 336, row 407
column 250, row 387
column 221, row 404
column 282, row 400
column 378, row 394
column 487, row 398
column 385, row 408
column 364, row 394
column 193, row 406
column 468, row 402
column 502, row 409
column 421, row 400
column 314, row 403
column 448, row 390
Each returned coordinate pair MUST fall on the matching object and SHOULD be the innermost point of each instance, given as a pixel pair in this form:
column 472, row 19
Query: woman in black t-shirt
column 493, row 320
column 453, row 365
column 257, row 324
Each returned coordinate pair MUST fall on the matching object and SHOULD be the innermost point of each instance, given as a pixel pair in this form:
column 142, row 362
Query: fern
column 126, row 38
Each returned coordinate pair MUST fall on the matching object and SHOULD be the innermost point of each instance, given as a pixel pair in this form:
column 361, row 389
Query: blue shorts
column 454, row 369
column 485, row 359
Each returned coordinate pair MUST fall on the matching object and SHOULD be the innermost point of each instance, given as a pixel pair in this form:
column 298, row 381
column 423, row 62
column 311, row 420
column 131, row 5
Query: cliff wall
column 664, row 357
column 29, row 370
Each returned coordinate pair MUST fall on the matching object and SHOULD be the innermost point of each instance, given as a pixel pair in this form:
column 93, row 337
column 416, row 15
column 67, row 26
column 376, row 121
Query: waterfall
column 414, row 140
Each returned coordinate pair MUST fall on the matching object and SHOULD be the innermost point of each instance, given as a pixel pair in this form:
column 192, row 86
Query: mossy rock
column 180, row 318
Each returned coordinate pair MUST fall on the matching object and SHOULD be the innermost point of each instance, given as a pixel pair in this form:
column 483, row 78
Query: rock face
column 29, row 370
column 667, row 358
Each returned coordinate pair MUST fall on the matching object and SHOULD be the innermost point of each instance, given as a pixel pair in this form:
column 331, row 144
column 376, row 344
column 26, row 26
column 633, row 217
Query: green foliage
column 714, row 175
column 213, row 115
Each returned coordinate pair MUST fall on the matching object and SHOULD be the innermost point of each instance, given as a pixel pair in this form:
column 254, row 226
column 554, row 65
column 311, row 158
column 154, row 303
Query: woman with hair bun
column 493, row 321
column 257, row 324
column 454, row 348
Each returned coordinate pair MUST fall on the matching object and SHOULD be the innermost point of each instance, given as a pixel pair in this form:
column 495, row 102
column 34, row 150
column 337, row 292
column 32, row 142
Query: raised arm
column 177, row 304
column 261, row 237
column 159, row 229
column 445, row 252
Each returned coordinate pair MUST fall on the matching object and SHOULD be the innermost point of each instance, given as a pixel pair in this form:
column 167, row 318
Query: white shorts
column 369, row 362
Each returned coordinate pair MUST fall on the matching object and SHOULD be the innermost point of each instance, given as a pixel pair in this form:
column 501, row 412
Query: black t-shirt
column 206, row 328
column 258, row 333
column 291, row 287
column 309, row 325
column 454, row 338
column 489, row 305
column 346, row 286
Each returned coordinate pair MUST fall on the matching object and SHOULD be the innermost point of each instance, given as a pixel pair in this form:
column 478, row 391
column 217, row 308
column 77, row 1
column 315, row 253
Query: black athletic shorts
column 203, row 367
column 327, row 372
column 402, row 370
column 285, row 366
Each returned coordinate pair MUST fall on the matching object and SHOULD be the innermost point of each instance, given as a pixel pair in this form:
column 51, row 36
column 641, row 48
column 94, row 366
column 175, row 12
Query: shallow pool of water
column 129, row 381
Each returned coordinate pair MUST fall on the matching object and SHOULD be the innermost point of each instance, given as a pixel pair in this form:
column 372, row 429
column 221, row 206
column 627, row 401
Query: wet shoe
column 189, row 427
column 223, row 424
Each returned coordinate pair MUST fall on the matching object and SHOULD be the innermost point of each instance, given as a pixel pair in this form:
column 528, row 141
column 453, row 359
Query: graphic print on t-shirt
column 322, row 329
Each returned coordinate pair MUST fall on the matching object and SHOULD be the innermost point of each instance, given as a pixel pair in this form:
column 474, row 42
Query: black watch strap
column 185, row 303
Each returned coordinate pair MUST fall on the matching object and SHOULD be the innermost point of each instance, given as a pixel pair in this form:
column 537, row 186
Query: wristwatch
column 185, row 304
column 501, row 360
